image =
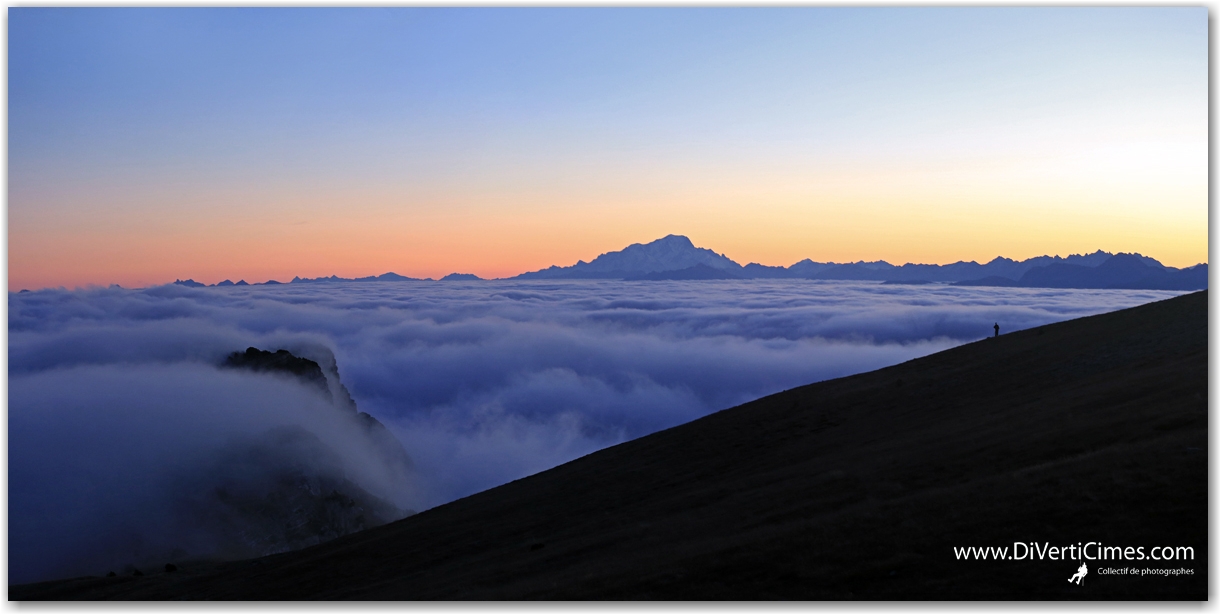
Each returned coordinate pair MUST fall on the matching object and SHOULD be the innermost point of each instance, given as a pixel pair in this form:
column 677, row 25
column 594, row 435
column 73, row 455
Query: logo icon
column 1080, row 574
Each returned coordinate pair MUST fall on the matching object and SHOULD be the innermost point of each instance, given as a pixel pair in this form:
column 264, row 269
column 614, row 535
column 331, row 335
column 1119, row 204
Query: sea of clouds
column 116, row 397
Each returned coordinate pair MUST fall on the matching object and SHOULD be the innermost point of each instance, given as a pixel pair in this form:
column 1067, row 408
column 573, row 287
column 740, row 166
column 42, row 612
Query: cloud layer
column 115, row 401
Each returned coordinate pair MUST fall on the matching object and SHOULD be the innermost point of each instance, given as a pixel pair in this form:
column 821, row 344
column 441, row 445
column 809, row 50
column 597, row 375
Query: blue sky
column 587, row 129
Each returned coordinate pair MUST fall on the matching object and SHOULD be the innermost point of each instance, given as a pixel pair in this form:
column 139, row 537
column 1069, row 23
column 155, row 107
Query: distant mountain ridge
column 190, row 283
column 675, row 257
column 671, row 253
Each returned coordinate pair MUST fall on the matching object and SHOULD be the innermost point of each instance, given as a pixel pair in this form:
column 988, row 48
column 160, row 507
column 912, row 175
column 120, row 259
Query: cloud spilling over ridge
column 103, row 458
column 115, row 395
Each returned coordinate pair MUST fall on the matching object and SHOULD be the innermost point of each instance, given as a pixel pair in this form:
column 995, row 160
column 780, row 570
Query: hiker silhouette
column 997, row 329
column 1080, row 574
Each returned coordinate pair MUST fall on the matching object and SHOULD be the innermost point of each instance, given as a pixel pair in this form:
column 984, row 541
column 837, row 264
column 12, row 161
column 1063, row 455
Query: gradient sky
column 152, row 144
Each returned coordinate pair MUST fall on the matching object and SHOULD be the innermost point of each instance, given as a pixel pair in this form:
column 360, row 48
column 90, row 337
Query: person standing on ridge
column 997, row 329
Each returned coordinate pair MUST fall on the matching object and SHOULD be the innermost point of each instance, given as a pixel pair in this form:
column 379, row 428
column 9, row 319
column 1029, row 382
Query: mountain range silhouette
column 675, row 257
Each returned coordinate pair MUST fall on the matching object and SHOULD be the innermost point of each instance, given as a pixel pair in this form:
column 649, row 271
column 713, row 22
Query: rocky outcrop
column 326, row 381
column 280, row 361
column 291, row 489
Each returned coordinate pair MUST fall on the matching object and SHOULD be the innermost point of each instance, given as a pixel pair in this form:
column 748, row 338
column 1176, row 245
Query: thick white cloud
column 115, row 396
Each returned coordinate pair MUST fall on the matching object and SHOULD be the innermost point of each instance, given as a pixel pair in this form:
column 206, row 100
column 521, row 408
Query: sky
column 481, row 382
column 147, row 145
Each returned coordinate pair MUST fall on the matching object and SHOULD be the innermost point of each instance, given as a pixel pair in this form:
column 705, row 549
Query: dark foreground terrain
column 855, row 488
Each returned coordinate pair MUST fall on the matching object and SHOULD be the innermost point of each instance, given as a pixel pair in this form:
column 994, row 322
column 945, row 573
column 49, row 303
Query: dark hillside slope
column 856, row 488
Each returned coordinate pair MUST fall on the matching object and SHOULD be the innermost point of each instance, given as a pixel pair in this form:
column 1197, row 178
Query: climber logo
column 1080, row 574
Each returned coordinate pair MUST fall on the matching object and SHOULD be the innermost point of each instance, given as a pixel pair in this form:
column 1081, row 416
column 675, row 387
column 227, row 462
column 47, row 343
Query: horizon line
column 408, row 277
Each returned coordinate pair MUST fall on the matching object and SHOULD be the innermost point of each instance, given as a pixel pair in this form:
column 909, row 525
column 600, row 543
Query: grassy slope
column 858, row 488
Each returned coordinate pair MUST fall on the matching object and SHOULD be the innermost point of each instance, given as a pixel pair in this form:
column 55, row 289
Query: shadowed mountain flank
column 1091, row 430
column 697, row 272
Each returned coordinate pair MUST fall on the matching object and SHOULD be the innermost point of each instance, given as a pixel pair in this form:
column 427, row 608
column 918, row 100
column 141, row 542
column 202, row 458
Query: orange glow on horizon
column 931, row 214
column 132, row 263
